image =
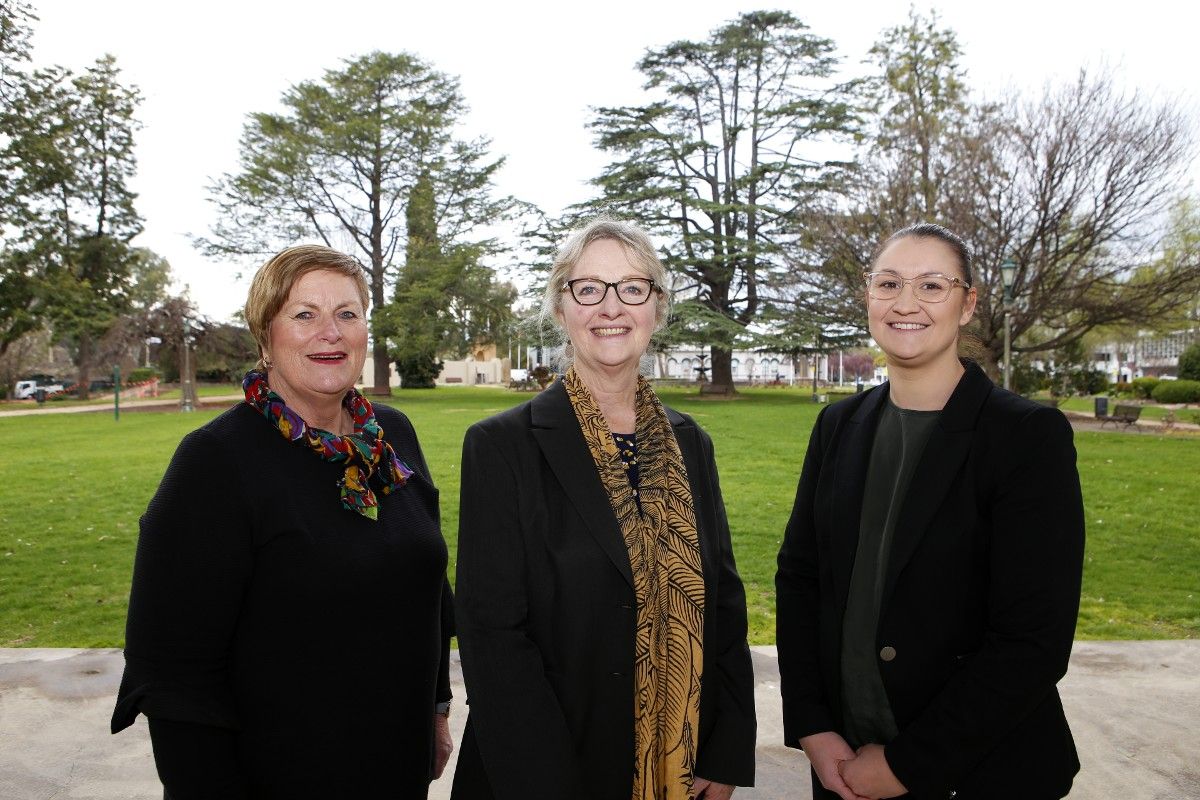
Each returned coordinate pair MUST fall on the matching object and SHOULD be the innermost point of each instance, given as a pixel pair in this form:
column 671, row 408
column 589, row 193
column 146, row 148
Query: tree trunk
column 990, row 358
column 722, row 373
column 379, row 351
column 83, row 362
column 383, row 371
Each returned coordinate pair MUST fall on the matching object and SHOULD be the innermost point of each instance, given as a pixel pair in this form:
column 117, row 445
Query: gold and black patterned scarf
column 668, row 582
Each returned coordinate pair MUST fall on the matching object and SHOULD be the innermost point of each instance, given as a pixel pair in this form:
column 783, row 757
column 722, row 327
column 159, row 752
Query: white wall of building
column 1152, row 355
column 748, row 366
column 468, row 372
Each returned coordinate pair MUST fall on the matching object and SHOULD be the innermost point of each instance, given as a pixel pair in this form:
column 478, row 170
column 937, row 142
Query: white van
column 27, row 389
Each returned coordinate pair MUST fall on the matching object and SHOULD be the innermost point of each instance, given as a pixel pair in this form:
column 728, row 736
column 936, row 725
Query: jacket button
column 888, row 653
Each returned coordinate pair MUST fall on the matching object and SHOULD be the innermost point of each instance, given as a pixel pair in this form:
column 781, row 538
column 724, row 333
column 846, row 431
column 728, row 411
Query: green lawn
column 72, row 488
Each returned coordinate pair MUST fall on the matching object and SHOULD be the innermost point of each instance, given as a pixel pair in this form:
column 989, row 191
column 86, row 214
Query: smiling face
column 609, row 337
column 910, row 332
column 318, row 340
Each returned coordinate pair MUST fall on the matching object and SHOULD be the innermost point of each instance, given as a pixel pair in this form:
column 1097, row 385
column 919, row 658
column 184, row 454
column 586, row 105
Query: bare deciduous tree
column 1073, row 185
column 1086, row 177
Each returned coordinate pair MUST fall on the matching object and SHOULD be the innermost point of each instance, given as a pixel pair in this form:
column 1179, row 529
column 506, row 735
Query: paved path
column 1081, row 421
column 1134, row 708
column 153, row 404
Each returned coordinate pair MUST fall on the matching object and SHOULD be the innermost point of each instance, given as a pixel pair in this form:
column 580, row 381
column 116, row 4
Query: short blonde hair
column 637, row 246
column 274, row 281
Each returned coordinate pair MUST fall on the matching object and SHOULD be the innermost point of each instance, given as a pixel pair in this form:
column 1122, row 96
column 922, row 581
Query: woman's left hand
column 443, row 745
column 709, row 790
column 869, row 775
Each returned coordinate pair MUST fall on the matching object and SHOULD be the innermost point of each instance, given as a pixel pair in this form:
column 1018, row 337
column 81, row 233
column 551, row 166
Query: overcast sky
column 529, row 70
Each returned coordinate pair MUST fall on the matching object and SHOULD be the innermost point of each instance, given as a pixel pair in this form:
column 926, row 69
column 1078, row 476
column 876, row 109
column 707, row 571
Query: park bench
column 1123, row 414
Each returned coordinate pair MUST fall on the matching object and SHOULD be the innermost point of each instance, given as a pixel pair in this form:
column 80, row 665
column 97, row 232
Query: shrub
column 1177, row 392
column 1144, row 387
column 1189, row 363
column 224, row 373
column 418, row 371
column 1027, row 378
column 1085, row 381
column 1121, row 389
column 141, row 374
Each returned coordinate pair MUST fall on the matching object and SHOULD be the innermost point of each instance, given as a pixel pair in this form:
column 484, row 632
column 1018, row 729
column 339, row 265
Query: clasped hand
column 861, row 775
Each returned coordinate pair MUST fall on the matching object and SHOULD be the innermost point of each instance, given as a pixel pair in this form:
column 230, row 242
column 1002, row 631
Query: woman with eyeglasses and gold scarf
column 601, row 619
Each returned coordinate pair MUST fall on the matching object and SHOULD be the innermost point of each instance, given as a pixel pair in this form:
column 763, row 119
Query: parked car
column 27, row 389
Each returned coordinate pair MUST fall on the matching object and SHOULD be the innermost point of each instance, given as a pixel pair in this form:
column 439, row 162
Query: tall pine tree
column 719, row 164
column 340, row 165
column 446, row 302
column 68, row 162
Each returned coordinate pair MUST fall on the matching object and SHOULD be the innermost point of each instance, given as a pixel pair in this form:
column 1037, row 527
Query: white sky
column 529, row 70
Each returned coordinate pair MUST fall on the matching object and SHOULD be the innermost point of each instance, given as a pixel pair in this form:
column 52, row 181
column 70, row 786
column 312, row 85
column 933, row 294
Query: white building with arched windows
column 748, row 366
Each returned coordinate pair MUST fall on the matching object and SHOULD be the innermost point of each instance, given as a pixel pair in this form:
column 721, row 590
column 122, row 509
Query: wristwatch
column 442, row 708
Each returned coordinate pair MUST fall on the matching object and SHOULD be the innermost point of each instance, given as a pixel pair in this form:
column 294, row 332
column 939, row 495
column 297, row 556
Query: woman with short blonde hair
column 289, row 621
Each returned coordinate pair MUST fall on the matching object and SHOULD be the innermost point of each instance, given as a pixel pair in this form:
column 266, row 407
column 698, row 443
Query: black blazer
column 281, row 646
column 546, row 617
column 980, row 596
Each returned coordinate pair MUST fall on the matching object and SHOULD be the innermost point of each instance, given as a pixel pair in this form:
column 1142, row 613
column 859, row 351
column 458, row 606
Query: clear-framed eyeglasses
column 932, row 287
column 591, row 291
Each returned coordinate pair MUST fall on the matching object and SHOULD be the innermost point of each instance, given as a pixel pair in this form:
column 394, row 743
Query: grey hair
column 637, row 246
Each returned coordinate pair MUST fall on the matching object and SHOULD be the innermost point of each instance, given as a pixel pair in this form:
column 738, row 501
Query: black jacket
column 981, row 593
column 546, row 617
column 281, row 645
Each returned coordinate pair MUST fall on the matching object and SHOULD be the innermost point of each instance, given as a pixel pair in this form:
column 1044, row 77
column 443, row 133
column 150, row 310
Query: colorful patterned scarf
column 668, row 583
column 368, row 456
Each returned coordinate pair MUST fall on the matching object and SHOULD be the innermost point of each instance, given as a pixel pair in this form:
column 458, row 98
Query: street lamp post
column 1008, row 275
column 185, row 374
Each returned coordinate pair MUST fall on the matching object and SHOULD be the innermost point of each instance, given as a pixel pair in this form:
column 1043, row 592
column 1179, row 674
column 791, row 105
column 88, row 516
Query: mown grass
column 72, row 487
column 1142, row 568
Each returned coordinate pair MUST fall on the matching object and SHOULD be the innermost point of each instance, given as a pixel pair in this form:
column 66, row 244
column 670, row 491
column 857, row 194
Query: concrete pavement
column 1134, row 708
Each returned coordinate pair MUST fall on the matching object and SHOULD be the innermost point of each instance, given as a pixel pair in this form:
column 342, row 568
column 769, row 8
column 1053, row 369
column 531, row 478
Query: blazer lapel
column 700, row 483
column 557, row 433
column 685, row 436
column 850, row 476
column 948, row 446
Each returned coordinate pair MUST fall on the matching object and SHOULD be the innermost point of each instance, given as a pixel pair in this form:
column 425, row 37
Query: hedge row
column 1144, row 387
column 1177, row 392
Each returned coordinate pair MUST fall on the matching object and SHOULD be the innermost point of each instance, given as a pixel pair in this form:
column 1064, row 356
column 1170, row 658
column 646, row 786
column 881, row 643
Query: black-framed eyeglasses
column 932, row 287
column 591, row 291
